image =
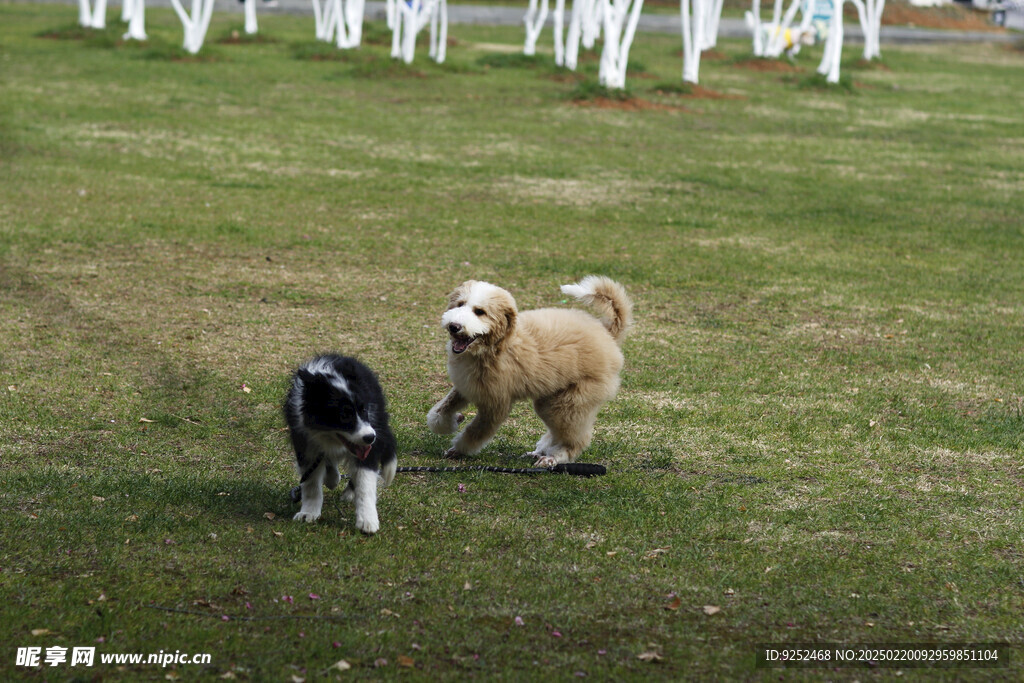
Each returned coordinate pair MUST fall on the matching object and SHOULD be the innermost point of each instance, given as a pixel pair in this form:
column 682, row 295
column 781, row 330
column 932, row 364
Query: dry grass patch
column 609, row 190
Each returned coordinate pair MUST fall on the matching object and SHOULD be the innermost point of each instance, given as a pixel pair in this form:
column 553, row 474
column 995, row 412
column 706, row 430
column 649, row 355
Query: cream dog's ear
column 459, row 295
column 503, row 314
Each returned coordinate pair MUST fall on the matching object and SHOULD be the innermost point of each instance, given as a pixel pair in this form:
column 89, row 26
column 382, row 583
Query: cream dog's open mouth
column 460, row 343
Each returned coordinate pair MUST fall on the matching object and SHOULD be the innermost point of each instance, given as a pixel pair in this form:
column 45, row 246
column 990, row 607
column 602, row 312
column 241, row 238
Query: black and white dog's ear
column 304, row 376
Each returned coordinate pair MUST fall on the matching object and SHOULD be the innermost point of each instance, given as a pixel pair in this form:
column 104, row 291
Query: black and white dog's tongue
column 358, row 450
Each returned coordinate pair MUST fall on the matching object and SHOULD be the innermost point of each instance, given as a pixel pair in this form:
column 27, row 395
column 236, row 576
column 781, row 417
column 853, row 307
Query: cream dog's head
column 479, row 316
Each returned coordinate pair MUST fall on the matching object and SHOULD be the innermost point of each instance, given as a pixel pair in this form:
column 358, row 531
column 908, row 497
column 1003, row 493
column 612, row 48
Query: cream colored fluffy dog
column 566, row 361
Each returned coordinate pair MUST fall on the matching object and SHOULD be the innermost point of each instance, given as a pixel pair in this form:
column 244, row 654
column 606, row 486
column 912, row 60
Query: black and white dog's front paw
column 306, row 516
column 368, row 524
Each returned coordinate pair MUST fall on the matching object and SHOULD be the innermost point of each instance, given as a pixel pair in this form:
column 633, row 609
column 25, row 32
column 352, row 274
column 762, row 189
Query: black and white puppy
column 337, row 415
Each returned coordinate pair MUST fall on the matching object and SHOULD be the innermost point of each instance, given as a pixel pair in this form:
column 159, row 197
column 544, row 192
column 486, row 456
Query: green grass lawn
column 819, row 432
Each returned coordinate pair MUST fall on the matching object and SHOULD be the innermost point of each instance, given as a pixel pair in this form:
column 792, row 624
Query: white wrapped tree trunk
column 871, row 24
column 700, row 20
column 753, row 21
column 409, row 19
column 559, row 32
column 584, row 28
column 833, row 52
column 136, row 10
column 693, row 36
column 593, row 21
column 340, row 21
column 251, row 25
column 712, row 17
column 84, row 13
column 869, row 13
column 354, row 11
column 92, row 17
column 320, row 17
column 438, row 49
column 195, row 24
column 405, row 11
column 99, row 14
column 536, row 15
column 620, row 20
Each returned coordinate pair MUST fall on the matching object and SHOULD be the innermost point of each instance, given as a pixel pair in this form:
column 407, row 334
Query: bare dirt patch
column 567, row 77
column 631, row 104
column 952, row 17
column 692, row 91
column 712, row 55
column 872, row 65
column 702, row 93
column 236, row 38
column 768, row 65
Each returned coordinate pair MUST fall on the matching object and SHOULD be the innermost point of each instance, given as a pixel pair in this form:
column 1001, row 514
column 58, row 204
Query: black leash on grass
column 579, row 469
column 235, row 617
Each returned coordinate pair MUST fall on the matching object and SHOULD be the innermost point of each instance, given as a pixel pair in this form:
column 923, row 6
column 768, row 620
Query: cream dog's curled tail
column 610, row 300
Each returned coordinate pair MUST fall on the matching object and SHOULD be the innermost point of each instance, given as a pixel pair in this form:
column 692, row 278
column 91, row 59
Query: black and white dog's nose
column 369, row 438
column 454, row 328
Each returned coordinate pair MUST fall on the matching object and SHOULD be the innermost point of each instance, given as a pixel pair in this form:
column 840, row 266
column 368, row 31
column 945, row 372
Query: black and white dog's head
column 329, row 400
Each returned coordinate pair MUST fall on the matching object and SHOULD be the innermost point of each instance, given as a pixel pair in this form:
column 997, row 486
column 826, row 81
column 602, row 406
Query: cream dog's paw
column 439, row 423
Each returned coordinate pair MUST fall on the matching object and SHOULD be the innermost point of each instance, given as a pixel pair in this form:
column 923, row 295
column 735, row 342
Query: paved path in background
column 655, row 23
